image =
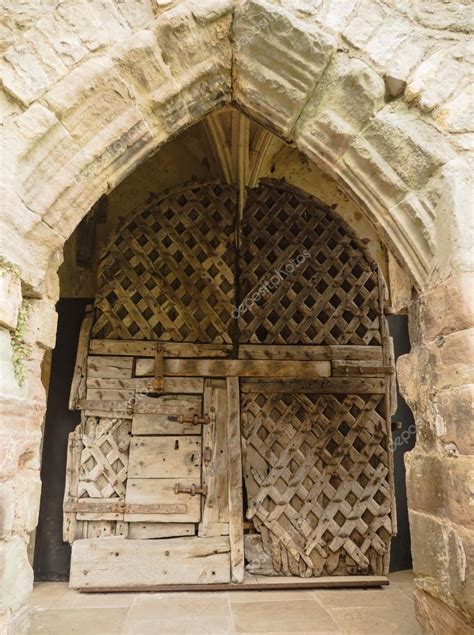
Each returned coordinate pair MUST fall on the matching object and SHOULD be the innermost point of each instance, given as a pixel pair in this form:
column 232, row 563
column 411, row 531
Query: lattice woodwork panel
column 316, row 469
column 104, row 458
column 331, row 293
column 169, row 273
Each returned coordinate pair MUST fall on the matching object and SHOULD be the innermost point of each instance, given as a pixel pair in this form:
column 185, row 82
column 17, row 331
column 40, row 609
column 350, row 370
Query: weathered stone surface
column 27, row 490
column 8, row 381
column 443, row 557
column 10, row 292
column 16, row 575
column 435, row 79
column 346, row 99
column 449, row 307
column 451, row 486
column 278, row 62
column 41, row 324
column 454, row 408
column 435, row 617
column 7, row 509
column 419, row 149
column 452, row 201
column 457, row 114
column 451, row 359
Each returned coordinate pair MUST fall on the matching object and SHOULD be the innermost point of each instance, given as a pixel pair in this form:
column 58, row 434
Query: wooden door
column 317, row 462
column 276, row 338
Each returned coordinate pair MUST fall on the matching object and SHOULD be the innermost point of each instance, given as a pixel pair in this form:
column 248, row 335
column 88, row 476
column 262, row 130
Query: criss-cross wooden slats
column 316, row 471
column 169, row 272
column 315, row 284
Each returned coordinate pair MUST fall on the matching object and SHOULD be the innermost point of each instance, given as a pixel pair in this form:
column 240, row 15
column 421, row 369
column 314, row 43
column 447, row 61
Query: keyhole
column 176, row 445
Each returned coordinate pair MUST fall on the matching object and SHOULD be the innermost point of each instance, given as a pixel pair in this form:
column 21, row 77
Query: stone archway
column 87, row 101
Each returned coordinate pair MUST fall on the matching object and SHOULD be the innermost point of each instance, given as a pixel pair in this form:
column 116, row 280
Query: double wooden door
column 235, row 379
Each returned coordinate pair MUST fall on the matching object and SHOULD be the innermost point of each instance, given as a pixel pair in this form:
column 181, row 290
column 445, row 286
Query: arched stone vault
column 375, row 94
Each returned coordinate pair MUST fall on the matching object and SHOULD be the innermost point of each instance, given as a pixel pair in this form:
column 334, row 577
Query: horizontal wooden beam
column 335, row 385
column 96, row 506
column 310, row 353
column 140, row 348
column 235, row 368
column 257, row 583
column 137, row 564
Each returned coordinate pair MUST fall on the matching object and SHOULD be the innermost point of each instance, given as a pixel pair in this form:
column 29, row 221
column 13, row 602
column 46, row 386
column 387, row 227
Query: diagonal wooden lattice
column 314, row 284
column 104, row 459
column 316, row 469
column 169, row 273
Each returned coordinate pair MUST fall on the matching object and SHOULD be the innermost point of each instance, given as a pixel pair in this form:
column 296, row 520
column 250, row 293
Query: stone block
column 436, row 79
column 449, row 307
column 10, row 297
column 451, row 359
column 414, row 149
column 435, row 616
column 442, row 486
column 450, row 191
column 20, row 435
column 348, row 95
column 16, row 574
column 7, row 509
column 454, row 408
column 278, row 61
column 41, row 323
column 27, row 489
column 8, row 382
column 364, row 22
column 457, row 114
column 28, row 70
column 460, row 547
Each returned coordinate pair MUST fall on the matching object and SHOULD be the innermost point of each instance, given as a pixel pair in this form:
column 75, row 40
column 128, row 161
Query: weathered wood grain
column 138, row 348
column 117, row 563
column 236, row 512
column 110, row 366
column 165, row 457
column 177, row 508
column 236, row 368
column 332, row 385
column 78, row 388
column 308, row 352
column 151, row 531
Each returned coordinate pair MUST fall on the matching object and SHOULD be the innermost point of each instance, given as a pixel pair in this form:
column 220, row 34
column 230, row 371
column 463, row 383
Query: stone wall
column 376, row 93
column 437, row 379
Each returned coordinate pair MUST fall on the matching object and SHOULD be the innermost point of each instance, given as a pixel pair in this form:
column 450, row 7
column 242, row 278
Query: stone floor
column 58, row 610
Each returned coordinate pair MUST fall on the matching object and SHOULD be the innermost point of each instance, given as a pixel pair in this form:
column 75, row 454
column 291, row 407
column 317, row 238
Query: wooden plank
column 173, row 405
column 259, row 583
column 367, row 368
column 308, row 352
column 99, row 394
column 103, row 408
column 78, row 390
column 139, row 348
column 143, row 386
column 165, row 457
column 114, row 507
column 215, row 514
column 144, row 424
column 117, row 367
column 150, row 531
column 116, row 563
column 160, row 492
column 74, row 450
column 332, row 385
column 235, row 368
column 236, row 513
